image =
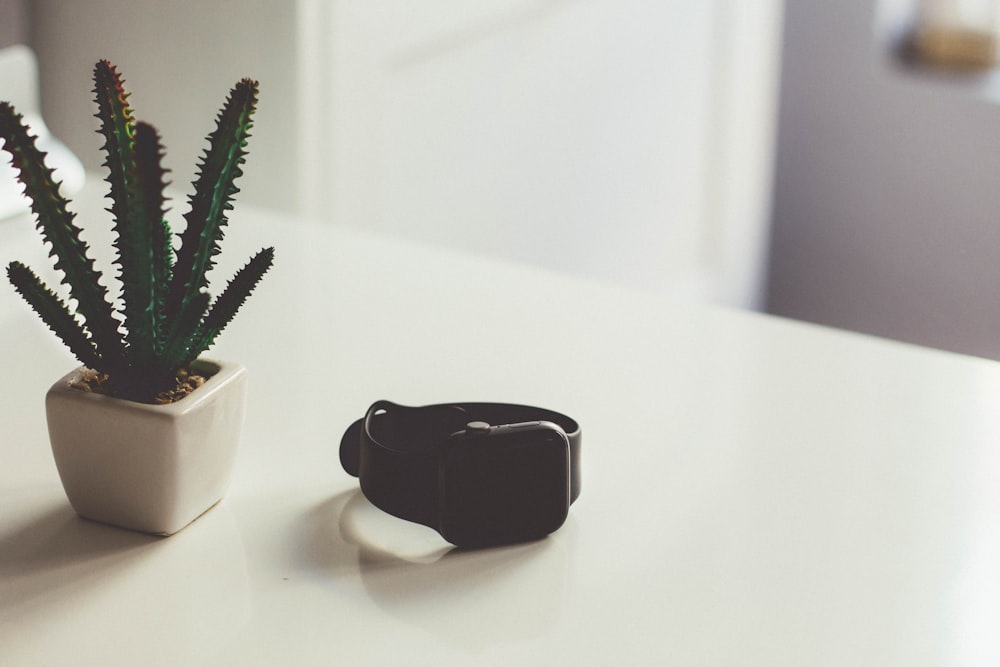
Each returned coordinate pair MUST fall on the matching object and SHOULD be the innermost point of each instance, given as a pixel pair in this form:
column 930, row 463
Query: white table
column 756, row 491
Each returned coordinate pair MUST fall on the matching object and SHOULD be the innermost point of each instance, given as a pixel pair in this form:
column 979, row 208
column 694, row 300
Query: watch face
column 505, row 487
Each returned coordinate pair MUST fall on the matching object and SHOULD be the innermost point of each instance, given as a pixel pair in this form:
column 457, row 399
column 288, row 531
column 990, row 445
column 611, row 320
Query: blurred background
column 834, row 162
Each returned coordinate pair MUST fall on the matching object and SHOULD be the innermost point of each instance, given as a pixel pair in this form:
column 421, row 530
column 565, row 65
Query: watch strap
column 396, row 458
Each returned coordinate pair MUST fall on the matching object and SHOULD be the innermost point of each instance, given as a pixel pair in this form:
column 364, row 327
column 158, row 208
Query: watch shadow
column 351, row 533
column 469, row 598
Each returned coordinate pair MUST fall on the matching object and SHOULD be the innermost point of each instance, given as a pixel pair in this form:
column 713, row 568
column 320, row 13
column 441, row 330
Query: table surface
column 755, row 491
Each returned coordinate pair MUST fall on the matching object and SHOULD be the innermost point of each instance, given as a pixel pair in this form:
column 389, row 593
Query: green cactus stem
column 167, row 317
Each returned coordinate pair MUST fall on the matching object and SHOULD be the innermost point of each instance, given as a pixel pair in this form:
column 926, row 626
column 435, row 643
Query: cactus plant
column 165, row 317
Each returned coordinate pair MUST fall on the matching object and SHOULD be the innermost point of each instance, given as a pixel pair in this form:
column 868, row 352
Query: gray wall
column 179, row 60
column 887, row 191
column 13, row 22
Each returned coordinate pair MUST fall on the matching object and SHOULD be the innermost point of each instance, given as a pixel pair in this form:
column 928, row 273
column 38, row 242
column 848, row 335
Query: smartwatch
column 481, row 474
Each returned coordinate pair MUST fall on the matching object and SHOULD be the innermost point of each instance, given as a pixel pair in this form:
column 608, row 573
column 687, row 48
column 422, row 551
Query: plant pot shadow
column 60, row 537
column 61, row 575
column 58, row 550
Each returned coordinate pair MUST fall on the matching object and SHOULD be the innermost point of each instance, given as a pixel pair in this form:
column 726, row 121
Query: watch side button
column 477, row 428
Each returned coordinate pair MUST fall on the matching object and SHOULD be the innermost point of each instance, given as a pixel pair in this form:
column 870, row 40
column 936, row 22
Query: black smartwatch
column 481, row 474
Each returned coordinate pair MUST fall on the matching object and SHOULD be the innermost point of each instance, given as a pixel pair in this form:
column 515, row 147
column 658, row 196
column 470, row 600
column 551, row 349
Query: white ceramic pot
column 151, row 468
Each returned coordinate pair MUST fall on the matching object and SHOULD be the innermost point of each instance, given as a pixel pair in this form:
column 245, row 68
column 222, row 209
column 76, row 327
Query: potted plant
column 144, row 433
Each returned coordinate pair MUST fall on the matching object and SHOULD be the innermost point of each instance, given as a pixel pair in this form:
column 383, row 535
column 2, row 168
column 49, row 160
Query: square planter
column 150, row 468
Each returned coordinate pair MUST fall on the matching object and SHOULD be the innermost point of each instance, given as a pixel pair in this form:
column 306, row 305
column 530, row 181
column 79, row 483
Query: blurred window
column 958, row 34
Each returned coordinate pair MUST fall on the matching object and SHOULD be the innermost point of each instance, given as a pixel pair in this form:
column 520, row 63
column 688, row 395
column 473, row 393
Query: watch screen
column 504, row 488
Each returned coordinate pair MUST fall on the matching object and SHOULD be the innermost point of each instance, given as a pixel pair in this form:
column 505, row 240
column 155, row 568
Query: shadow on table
column 58, row 550
column 90, row 581
column 472, row 598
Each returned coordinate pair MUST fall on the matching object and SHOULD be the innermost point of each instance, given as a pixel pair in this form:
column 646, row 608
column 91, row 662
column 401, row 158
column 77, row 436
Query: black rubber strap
column 398, row 465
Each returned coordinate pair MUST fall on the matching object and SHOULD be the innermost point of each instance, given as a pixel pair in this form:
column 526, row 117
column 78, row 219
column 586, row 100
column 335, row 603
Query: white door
column 628, row 140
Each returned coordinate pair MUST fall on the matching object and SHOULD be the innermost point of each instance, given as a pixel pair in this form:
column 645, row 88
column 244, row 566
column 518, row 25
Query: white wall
column 627, row 140
column 887, row 194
